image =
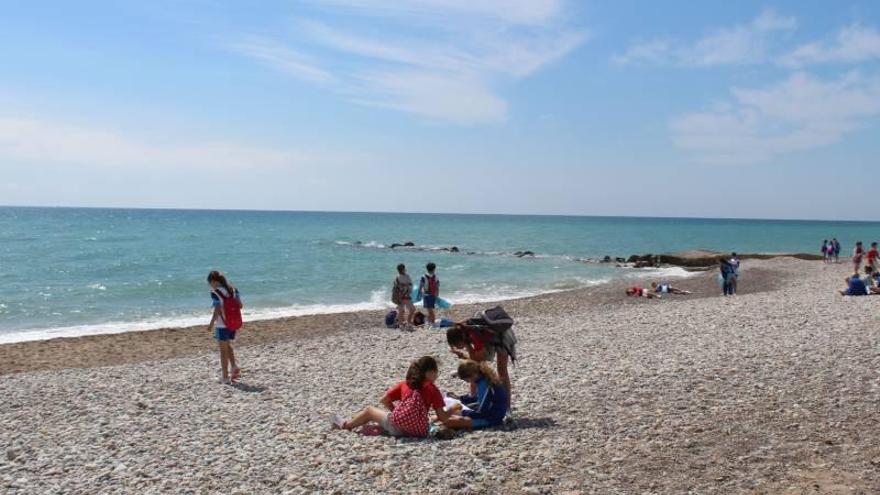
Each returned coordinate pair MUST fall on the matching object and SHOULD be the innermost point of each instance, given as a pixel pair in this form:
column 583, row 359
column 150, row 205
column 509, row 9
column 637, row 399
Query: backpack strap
column 222, row 304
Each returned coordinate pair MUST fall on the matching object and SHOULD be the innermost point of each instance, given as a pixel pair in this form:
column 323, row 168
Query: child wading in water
column 429, row 287
column 487, row 406
column 405, row 406
column 227, row 317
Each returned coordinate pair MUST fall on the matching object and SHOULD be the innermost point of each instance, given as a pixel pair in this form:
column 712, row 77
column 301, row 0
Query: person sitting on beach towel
column 405, row 405
column 484, row 408
column 640, row 292
column 854, row 287
column 668, row 289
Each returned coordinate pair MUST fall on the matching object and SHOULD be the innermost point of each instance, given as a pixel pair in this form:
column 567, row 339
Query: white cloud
column 281, row 58
column 451, row 71
column 737, row 45
column 798, row 114
column 852, row 44
column 437, row 97
column 42, row 141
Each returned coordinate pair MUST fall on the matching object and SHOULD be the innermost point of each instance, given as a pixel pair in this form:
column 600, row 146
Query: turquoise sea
column 69, row 271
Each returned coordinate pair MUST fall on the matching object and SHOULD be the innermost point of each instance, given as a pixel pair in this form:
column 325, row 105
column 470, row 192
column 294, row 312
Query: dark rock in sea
column 453, row 249
column 606, row 259
column 520, row 254
column 409, row 244
column 620, row 260
column 643, row 258
column 703, row 258
column 395, row 244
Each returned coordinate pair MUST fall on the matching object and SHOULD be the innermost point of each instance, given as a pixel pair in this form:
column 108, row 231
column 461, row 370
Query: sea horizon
column 382, row 212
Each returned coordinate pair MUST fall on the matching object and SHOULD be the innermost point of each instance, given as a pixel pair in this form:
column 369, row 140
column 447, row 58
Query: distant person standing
column 836, row 245
column 724, row 265
column 858, row 254
column 826, row 251
column 872, row 256
column 429, row 288
column 733, row 278
column 401, row 295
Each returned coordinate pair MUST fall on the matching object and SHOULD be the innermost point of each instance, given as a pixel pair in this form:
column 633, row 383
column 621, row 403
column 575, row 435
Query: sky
column 678, row 108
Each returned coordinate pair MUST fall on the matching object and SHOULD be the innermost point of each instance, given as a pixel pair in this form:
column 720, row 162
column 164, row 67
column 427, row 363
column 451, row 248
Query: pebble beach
column 775, row 390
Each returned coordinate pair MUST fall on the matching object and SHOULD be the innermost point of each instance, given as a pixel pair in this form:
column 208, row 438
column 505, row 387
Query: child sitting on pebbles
column 405, row 405
column 487, row 406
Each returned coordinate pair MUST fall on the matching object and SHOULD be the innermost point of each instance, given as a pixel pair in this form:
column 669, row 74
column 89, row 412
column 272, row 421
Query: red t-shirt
column 430, row 393
column 478, row 340
column 872, row 254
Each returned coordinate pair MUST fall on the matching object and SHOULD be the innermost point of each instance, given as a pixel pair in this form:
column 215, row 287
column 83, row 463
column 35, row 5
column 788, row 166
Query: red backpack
column 230, row 307
column 411, row 415
column 432, row 285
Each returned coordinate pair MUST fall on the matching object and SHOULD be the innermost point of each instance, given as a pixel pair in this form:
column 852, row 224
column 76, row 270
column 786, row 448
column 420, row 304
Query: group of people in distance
column 869, row 283
column 830, row 250
column 402, row 296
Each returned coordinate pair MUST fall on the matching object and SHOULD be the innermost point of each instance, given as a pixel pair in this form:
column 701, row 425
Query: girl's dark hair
column 456, row 336
column 430, row 267
column 415, row 376
column 401, row 268
column 218, row 277
column 471, row 369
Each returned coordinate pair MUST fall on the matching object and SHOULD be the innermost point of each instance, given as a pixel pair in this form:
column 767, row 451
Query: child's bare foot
column 236, row 374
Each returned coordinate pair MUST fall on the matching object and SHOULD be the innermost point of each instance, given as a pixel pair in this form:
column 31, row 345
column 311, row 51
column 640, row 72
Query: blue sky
column 733, row 109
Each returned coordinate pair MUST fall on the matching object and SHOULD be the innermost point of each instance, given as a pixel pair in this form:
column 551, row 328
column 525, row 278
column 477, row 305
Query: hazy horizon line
column 378, row 212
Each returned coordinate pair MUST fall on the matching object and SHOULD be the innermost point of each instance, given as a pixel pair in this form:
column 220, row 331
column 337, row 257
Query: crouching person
column 484, row 408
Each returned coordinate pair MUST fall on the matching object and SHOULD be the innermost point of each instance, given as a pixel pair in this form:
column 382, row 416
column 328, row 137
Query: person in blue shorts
column 223, row 294
column 429, row 287
column 484, row 409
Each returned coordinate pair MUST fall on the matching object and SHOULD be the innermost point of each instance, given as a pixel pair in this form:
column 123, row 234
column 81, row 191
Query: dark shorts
column 429, row 301
column 480, row 423
column 224, row 334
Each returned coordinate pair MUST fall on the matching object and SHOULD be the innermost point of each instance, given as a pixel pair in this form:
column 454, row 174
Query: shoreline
column 156, row 344
column 689, row 262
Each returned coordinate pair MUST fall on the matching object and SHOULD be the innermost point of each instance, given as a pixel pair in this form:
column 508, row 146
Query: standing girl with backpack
column 225, row 322
column 429, row 288
column 486, row 404
column 405, row 406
